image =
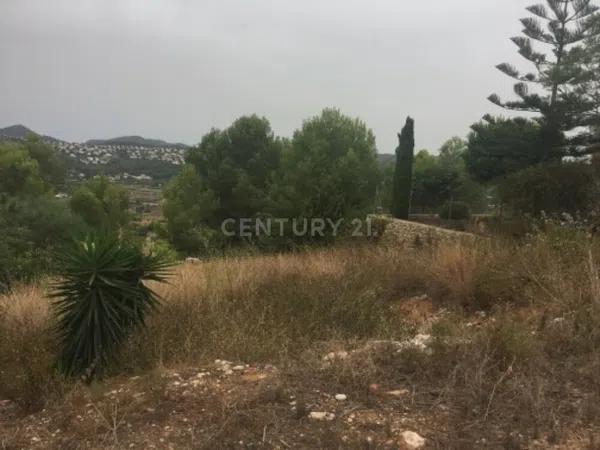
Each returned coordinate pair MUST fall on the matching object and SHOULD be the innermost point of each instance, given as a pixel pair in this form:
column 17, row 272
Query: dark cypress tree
column 564, row 26
column 404, row 168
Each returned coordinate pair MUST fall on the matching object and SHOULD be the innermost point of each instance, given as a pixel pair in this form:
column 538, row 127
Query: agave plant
column 100, row 298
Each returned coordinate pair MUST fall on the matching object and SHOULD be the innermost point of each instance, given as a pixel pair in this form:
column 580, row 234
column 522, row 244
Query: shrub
column 568, row 187
column 455, row 211
column 100, row 298
column 30, row 230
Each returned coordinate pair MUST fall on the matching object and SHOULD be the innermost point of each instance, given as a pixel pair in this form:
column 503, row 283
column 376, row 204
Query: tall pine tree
column 564, row 25
column 591, row 85
column 403, row 172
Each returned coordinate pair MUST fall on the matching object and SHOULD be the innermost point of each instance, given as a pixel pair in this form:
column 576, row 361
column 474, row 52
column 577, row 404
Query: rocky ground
column 224, row 405
column 233, row 404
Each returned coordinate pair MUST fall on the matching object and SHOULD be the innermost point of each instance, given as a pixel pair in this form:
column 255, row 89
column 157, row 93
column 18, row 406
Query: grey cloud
column 172, row 69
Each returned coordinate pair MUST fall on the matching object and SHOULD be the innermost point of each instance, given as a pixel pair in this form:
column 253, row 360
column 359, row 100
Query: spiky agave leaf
column 100, row 298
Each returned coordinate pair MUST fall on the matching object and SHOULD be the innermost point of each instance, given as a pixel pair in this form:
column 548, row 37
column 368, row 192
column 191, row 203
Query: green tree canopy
column 101, row 204
column 554, row 188
column 590, row 87
column 235, row 165
column 51, row 164
column 564, row 26
column 32, row 221
column 329, row 170
column 29, row 168
column 19, row 173
column 404, row 171
column 498, row 147
column 227, row 176
column 30, row 229
column 188, row 207
column 442, row 178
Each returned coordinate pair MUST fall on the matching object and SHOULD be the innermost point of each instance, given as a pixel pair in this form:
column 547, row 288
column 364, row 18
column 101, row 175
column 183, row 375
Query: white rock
column 341, row 397
column 332, row 356
column 412, row 439
column 239, row 368
column 420, row 342
column 321, row 416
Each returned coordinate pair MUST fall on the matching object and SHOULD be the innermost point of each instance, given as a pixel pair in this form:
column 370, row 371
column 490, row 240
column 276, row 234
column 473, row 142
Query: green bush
column 567, row 187
column 455, row 211
column 30, row 230
column 100, row 299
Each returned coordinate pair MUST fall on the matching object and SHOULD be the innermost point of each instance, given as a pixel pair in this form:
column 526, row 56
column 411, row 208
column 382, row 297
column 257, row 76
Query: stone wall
column 413, row 235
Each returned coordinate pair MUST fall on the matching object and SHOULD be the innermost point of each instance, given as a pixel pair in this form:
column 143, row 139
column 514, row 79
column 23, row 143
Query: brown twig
column 506, row 373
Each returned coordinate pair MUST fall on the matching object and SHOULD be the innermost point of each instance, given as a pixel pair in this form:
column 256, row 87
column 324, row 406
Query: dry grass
column 270, row 307
column 530, row 365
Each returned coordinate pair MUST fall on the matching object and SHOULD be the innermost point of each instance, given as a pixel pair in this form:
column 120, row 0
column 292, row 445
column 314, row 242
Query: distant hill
column 385, row 158
column 21, row 132
column 135, row 141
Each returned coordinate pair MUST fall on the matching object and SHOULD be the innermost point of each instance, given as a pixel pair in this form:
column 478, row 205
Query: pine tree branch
column 521, row 90
column 509, row 70
column 582, row 9
column 539, row 10
column 534, row 31
column 527, row 52
column 558, row 9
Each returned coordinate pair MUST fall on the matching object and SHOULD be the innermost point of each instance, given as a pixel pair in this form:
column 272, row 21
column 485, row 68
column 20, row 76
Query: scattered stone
column 398, row 392
column 339, row 355
column 419, row 342
column 239, row 368
column 321, row 416
column 412, row 440
column 341, row 397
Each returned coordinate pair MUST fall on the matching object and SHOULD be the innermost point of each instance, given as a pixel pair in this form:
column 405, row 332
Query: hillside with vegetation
column 263, row 291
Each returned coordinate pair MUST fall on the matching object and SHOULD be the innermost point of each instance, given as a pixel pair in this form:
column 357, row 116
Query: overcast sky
column 172, row 69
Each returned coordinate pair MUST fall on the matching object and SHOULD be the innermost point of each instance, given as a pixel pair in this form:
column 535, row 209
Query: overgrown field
column 512, row 361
